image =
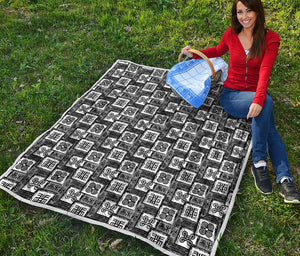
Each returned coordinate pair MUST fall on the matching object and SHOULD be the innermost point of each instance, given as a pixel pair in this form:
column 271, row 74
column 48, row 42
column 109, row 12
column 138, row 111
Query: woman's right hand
column 184, row 51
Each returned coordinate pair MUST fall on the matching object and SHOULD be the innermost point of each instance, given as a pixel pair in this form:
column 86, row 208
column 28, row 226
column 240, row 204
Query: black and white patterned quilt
column 131, row 156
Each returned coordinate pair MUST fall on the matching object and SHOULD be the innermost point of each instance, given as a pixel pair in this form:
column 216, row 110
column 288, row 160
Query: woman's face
column 245, row 16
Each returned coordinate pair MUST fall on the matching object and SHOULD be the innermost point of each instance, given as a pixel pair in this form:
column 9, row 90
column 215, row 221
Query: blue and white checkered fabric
column 191, row 79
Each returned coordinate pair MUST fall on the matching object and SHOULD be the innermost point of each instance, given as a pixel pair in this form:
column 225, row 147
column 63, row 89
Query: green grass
column 52, row 51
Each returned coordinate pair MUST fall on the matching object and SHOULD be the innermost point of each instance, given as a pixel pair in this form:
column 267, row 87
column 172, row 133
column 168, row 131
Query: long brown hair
column 259, row 27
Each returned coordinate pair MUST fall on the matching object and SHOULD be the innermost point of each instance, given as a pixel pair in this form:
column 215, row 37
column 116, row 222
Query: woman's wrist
column 190, row 55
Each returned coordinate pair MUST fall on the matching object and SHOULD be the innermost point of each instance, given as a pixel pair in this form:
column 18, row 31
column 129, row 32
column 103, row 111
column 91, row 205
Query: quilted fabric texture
column 133, row 157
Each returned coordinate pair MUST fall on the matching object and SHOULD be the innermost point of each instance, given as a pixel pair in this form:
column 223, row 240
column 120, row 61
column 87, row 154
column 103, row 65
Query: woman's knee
column 268, row 105
column 267, row 110
column 236, row 103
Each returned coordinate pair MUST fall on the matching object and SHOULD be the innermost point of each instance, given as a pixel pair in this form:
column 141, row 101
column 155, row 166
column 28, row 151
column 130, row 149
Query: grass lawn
column 52, row 51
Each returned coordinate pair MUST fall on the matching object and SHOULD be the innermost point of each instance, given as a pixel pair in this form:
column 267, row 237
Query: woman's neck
column 247, row 32
column 246, row 38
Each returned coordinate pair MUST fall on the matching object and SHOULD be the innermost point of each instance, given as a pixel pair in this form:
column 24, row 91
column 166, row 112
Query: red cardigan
column 252, row 75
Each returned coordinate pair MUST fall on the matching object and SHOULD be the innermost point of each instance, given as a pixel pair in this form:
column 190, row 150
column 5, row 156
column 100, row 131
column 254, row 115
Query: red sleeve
column 219, row 50
column 272, row 42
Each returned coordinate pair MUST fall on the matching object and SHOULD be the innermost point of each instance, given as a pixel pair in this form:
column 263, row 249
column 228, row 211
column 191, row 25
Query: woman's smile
column 245, row 16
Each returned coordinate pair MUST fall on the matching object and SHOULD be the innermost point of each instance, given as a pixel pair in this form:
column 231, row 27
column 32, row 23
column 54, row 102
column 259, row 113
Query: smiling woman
column 253, row 50
column 246, row 16
column 248, row 21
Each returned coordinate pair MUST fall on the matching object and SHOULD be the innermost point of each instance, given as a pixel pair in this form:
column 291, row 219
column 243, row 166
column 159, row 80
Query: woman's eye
column 249, row 10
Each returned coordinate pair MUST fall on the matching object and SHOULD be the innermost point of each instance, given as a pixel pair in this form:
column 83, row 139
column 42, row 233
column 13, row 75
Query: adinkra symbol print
column 131, row 155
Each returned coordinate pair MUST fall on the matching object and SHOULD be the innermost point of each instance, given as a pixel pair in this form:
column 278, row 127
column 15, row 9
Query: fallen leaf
column 64, row 5
column 92, row 230
column 115, row 243
column 102, row 245
column 128, row 29
column 45, row 222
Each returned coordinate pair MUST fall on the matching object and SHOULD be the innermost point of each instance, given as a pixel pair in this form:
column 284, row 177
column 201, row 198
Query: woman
column 253, row 50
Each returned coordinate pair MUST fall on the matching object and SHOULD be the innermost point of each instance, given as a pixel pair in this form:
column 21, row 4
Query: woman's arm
column 265, row 71
column 273, row 42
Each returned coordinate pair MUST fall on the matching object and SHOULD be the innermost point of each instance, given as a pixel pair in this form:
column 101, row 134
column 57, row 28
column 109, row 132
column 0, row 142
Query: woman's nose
column 245, row 14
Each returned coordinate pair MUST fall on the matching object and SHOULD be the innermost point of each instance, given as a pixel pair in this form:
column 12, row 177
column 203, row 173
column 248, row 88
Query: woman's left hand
column 254, row 110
